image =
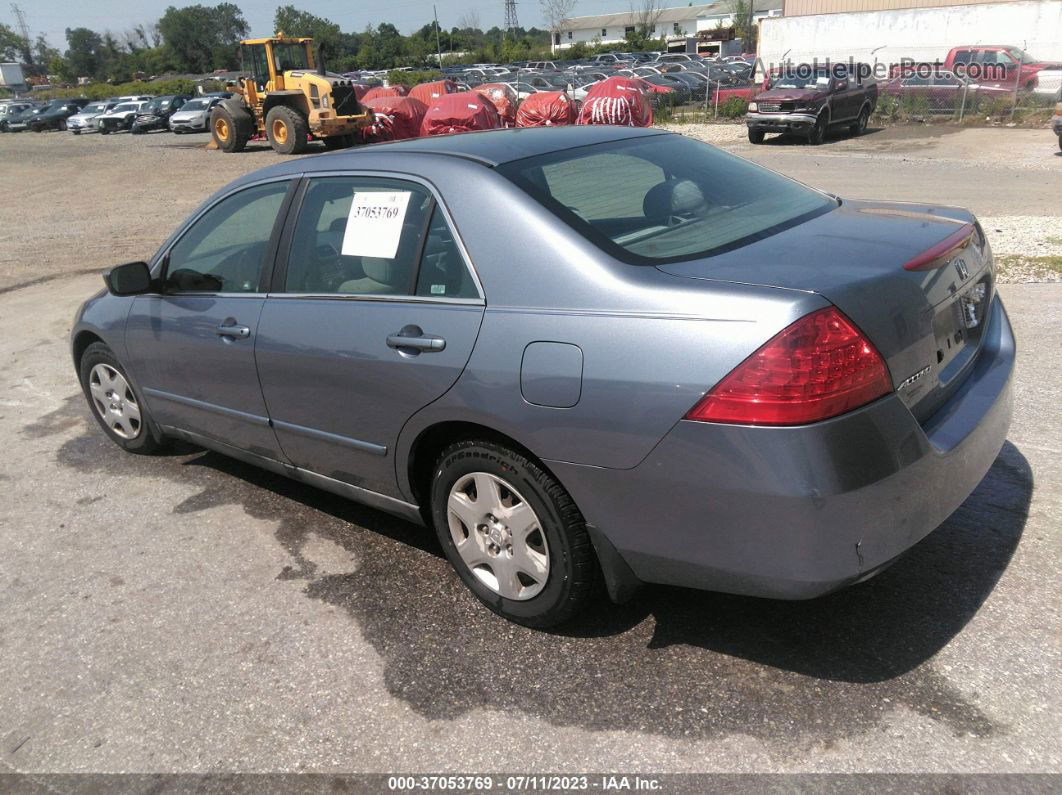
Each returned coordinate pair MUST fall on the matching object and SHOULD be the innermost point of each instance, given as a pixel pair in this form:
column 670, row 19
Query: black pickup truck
column 808, row 100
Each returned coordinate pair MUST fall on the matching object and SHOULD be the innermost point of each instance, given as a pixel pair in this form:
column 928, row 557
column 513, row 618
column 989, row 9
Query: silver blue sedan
column 581, row 355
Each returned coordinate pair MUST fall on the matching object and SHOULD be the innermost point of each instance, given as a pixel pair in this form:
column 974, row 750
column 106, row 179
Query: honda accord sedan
column 580, row 355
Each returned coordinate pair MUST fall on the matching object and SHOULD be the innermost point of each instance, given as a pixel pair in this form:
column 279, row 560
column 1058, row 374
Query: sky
column 52, row 17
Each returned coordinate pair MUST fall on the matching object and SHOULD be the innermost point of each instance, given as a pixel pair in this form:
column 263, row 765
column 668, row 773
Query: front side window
column 665, row 197
column 374, row 237
column 224, row 250
column 290, row 56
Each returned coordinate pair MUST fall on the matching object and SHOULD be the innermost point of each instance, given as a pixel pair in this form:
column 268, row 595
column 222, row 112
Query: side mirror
column 132, row 278
column 842, row 85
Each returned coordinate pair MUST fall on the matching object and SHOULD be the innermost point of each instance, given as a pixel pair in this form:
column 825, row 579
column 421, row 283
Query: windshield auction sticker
column 374, row 224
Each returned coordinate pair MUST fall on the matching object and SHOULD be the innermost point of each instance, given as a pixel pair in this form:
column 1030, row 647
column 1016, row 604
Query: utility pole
column 438, row 48
column 23, row 30
column 511, row 24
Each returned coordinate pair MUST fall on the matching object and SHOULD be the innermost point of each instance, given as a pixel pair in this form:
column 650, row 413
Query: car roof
column 494, row 147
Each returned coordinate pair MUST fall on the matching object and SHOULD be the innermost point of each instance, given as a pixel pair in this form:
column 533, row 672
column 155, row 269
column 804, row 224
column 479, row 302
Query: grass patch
column 1018, row 267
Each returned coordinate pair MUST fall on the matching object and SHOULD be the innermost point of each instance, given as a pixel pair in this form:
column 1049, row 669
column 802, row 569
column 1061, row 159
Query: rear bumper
column 794, row 513
column 780, row 122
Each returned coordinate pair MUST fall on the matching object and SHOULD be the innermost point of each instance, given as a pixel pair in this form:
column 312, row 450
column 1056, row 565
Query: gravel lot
column 189, row 613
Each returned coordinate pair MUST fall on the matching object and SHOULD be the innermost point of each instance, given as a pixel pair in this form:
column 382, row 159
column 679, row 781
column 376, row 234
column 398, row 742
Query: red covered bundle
column 461, row 112
column 504, row 100
column 395, row 118
column 546, row 109
column 385, row 91
column 617, row 100
column 429, row 92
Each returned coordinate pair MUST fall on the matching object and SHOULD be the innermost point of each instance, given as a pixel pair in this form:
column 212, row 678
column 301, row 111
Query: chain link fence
column 978, row 85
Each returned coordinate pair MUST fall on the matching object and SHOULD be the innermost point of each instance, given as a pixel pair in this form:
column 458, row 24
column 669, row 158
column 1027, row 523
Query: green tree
column 295, row 22
column 83, row 53
column 202, row 38
column 12, row 45
column 48, row 58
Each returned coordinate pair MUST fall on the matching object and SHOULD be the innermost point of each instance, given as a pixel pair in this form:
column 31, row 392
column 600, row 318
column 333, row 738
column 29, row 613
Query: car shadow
column 832, row 137
column 672, row 662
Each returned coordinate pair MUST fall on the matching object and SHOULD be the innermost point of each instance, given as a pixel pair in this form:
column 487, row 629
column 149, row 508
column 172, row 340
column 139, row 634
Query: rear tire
column 540, row 571
column 114, row 403
column 756, row 136
column 287, row 130
column 229, row 135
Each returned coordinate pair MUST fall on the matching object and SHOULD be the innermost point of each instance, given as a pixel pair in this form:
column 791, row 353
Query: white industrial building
column 669, row 23
column 888, row 31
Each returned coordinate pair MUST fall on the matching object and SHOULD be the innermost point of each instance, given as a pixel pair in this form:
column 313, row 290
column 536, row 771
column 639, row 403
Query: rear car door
column 372, row 314
column 191, row 345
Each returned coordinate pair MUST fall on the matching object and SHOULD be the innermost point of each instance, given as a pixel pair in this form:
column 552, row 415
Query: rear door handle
column 235, row 332
column 411, row 338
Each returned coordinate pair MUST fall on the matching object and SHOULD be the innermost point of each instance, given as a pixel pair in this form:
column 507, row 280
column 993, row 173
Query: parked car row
column 133, row 113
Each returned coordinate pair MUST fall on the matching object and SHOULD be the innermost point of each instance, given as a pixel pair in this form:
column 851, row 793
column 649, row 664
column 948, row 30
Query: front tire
column 228, row 135
column 859, row 126
column 512, row 533
column 756, row 136
column 818, row 133
column 114, row 403
column 287, row 129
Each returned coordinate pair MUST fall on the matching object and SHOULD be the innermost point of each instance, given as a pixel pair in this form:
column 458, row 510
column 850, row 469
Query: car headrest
column 673, row 197
column 386, row 271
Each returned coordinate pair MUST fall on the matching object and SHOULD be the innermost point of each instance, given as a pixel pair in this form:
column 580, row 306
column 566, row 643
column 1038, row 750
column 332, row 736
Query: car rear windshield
column 664, row 198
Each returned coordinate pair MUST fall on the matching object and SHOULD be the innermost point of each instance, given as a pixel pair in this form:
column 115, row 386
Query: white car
column 194, row 115
column 523, row 90
column 85, row 119
column 120, row 117
column 580, row 92
column 1049, row 82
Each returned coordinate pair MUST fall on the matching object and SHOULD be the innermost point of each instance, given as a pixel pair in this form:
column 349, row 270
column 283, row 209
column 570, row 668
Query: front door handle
column 233, row 332
column 412, row 338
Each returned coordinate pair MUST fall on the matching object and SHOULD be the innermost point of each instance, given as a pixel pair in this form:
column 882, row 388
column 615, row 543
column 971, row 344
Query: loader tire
column 229, row 135
column 287, row 129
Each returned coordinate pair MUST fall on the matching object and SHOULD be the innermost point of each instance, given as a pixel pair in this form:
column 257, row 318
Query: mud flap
column 620, row 582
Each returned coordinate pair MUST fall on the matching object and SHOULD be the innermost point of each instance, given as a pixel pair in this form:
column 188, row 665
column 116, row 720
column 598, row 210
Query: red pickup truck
column 988, row 65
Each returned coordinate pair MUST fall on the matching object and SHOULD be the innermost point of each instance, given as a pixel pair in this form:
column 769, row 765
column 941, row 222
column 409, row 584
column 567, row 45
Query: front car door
column 192, row 344
column 372, row 314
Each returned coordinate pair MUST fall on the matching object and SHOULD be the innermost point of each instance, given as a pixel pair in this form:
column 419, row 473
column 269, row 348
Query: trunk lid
column 926, row 323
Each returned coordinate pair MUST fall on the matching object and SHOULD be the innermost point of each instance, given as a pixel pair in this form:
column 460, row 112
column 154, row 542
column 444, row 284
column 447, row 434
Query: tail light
column 820, row 366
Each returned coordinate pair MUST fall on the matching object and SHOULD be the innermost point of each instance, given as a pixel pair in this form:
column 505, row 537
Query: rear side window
column 665, row 197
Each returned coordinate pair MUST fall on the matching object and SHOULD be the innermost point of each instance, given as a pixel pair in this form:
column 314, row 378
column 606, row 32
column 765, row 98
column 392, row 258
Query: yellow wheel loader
column 286, row 97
